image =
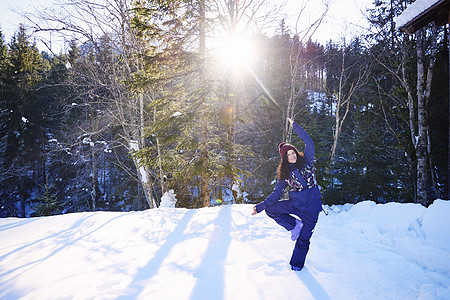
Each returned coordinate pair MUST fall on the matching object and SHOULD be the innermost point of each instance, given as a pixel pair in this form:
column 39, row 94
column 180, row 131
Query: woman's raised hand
column 291, row 121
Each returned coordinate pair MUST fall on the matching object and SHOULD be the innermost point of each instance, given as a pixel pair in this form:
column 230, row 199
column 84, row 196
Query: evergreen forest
column 141, row 103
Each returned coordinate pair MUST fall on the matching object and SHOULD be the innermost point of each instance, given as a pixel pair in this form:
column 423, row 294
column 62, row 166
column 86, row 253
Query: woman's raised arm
column 309, row 144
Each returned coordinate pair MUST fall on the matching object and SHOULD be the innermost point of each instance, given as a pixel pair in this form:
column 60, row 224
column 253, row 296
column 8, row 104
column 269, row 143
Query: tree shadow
column 18, row 223
column 62, row 239
column 151, row 268
column 65, row 234
column 313, row 286
column 210, row 274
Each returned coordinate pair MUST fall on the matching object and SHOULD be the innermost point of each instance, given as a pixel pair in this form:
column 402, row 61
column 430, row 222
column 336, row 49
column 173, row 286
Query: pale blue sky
column 9, row 19
column 344, row 17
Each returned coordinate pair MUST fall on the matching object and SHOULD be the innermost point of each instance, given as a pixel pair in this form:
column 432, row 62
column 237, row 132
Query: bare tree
column 105, row 26
column 424, row 81
column 349, row 82
column 302, row 34
column 418, row 120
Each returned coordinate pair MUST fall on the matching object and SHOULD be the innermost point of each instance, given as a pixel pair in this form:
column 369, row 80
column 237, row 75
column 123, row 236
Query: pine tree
column 22, row 132
column 48, row 204
column 6, row 206
column 197, row 148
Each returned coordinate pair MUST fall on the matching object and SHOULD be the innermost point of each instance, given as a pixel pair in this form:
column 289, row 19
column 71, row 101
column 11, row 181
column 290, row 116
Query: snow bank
column 436, row 223
column 432, row 223
column 362, row 251
column 386, row 217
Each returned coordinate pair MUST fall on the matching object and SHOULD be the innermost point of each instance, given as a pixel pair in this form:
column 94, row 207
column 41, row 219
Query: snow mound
column 362, row 251
column 436, row 223
column 388, row 217
column 168, row 199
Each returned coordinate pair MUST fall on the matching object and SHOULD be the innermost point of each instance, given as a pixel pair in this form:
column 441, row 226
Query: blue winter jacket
column 307, row 195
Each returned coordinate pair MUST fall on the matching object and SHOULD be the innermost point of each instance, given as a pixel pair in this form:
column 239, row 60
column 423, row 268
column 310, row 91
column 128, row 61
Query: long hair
column 283, row 167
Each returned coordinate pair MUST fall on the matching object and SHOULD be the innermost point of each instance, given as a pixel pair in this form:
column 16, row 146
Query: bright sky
column 9, row 19
column 344, row 18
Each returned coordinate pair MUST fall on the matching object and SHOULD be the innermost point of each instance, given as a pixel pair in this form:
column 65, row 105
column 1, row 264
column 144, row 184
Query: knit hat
column 284, row 147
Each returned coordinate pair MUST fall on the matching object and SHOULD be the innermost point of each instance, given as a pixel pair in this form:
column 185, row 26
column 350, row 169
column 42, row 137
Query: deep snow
column 362, row 251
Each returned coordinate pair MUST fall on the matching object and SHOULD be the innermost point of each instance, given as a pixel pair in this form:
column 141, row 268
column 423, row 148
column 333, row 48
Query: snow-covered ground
column 363, row 251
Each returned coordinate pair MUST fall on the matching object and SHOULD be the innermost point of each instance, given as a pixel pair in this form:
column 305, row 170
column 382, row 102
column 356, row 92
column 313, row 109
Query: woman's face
column 291, row 156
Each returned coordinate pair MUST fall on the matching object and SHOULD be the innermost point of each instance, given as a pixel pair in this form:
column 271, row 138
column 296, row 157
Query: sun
column 236, row 51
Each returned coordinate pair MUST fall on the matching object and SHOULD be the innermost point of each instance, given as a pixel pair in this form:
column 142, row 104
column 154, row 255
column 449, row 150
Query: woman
column 296, row 171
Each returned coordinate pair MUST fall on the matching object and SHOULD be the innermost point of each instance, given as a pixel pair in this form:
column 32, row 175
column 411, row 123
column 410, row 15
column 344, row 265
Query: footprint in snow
column 255, row 265
column 269, row 268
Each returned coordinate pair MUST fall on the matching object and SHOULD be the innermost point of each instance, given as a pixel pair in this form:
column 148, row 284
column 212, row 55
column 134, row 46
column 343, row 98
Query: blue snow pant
column 281, row 212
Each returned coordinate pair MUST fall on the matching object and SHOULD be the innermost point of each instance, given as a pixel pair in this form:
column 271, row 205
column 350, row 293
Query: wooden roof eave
column 438, row 13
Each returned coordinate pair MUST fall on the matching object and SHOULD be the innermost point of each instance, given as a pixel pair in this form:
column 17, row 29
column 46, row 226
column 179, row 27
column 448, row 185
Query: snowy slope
column 363, row 251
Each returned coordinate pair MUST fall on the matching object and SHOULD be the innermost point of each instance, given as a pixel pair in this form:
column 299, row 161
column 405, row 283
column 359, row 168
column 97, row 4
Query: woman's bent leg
column 280, row 212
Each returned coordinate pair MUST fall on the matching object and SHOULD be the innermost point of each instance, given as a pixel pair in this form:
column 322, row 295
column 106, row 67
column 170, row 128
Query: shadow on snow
column 313, row 286
column 152, row 267
column 210, row 274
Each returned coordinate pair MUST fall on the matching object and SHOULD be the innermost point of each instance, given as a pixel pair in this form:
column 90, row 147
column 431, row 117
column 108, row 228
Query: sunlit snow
column 362, row 251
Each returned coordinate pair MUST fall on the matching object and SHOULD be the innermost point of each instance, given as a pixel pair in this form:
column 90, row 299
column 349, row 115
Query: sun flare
column 236, row 51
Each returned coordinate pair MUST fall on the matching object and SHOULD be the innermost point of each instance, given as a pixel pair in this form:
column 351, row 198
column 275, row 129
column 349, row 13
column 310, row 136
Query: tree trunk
column 343, row 98
column 294, row 70
column 204, row 185
column 144, row 176
column 431, row 166
column 158, row 149
column 433, row 46
column 412, row 113
column 94, row 187
column 337, row 116
column 422, row 174
column 423, row 95
column 448, row 143
column 23, row 198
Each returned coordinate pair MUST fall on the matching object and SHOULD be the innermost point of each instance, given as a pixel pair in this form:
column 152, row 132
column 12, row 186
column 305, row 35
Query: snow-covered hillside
column 363, row 251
